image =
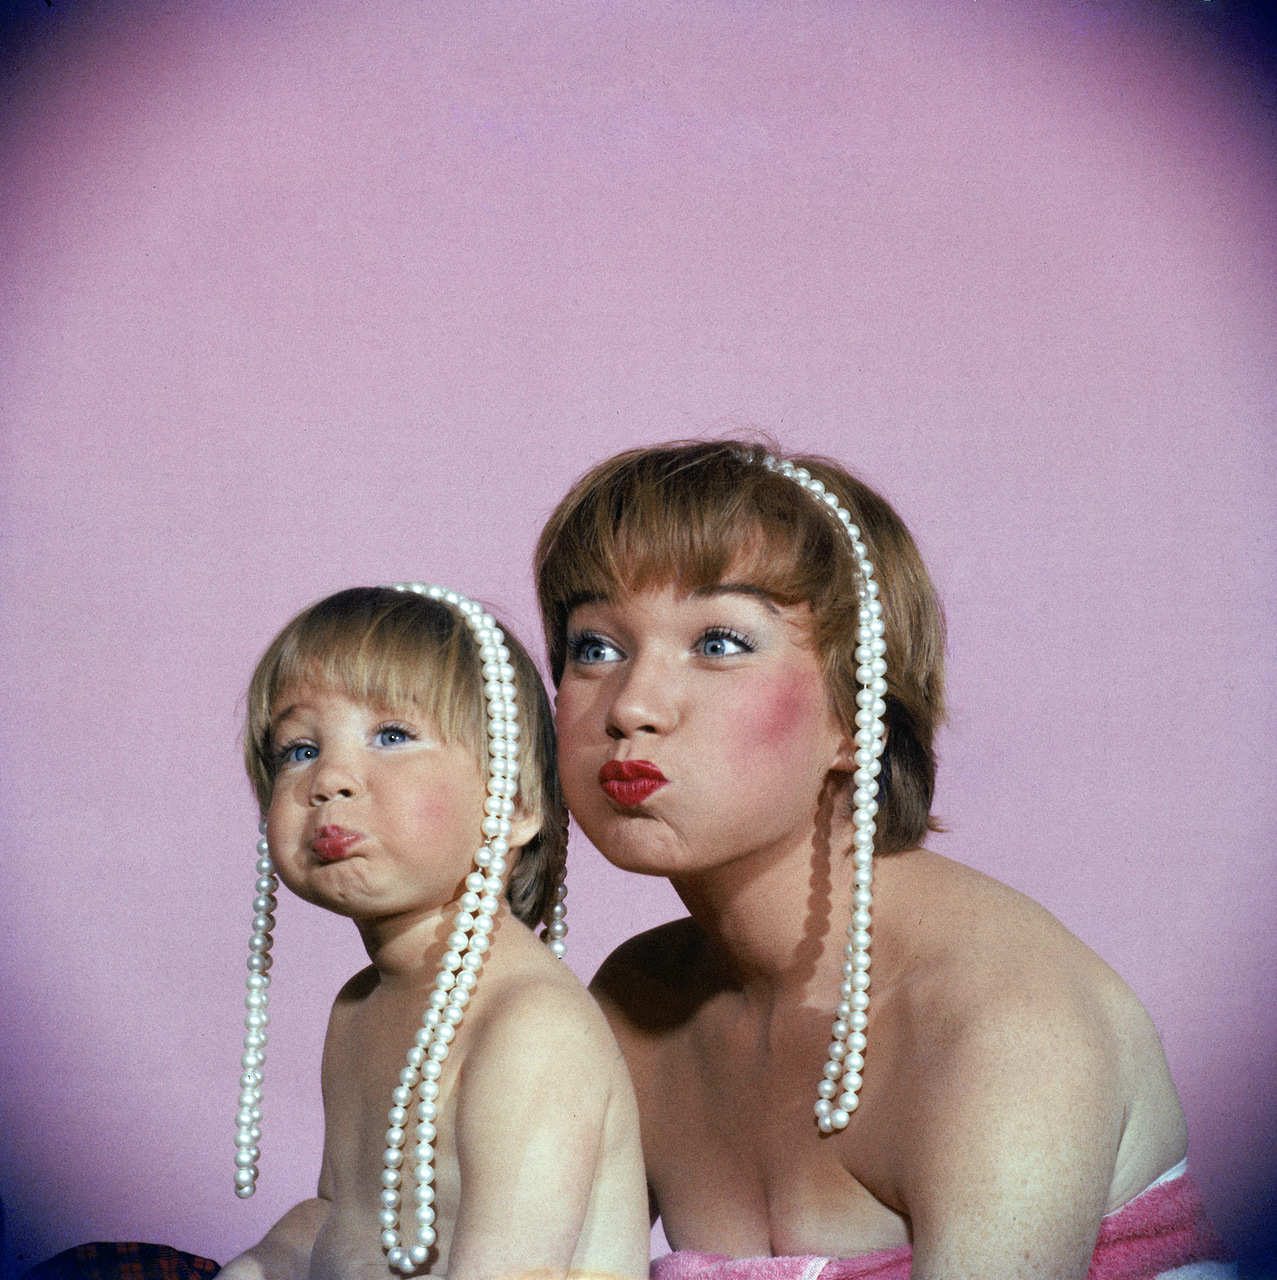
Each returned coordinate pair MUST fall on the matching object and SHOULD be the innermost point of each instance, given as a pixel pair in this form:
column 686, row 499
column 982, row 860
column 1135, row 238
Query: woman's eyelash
column 581, row 642
column 745, row 642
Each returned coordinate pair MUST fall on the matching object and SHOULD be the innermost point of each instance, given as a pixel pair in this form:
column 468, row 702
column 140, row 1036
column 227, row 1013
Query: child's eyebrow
column 272, row 725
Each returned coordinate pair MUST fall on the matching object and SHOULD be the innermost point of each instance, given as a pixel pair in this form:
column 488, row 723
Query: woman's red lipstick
column 630, row 782
column 331, row 844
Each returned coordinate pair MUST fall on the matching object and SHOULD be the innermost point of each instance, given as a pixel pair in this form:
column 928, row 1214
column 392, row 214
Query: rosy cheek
column 778, row 715
column 443, row 806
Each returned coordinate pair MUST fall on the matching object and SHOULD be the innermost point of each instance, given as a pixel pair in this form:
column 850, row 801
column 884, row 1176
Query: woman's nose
column 644, row 701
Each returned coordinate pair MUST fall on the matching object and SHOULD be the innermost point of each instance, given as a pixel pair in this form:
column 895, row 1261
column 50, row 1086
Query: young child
column 497, row 1134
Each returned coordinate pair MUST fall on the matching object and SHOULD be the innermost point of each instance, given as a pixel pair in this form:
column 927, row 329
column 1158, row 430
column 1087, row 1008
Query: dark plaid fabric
column 128, row 1261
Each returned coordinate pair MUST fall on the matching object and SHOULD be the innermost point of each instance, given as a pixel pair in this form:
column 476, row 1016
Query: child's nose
column 333, row 779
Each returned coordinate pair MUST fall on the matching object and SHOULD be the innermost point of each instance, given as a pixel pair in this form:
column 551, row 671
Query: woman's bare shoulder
column 992, row 956
column 1004, row 1001
column 656, row 976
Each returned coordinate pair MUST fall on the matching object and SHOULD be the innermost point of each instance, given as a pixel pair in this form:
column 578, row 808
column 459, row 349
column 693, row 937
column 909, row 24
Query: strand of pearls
column 839, row 1088
column 462, row 961
column 554, row 932
column 248, row 1119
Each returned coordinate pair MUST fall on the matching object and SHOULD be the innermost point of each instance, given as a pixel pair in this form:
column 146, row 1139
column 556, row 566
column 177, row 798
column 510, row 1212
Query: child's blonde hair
column 387, row 647
column 688, row 513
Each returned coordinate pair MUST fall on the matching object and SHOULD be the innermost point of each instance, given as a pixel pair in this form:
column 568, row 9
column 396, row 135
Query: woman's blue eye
column 723, row 643
column 589, row 648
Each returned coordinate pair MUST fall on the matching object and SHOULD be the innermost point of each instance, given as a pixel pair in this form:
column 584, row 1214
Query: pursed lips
column 331, row 844
column 630, row 782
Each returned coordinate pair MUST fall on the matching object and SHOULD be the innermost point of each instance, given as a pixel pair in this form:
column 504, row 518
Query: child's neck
column 403, row 946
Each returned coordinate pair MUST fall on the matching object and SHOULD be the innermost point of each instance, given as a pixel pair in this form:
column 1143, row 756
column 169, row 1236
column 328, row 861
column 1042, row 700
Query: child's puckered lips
column 331, row 844
column 630, row 782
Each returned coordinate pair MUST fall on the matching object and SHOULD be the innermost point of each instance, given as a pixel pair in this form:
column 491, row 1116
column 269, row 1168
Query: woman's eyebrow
column 737, row 589
column 572, row 603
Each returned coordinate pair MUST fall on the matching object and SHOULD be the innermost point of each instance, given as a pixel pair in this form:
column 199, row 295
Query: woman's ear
column 844, row 760
column 845, row 754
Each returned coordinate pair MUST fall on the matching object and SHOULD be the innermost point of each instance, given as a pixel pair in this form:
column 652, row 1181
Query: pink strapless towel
column 1163, row 1228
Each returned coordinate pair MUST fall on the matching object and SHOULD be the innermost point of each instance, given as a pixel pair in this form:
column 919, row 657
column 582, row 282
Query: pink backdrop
column 301, row 296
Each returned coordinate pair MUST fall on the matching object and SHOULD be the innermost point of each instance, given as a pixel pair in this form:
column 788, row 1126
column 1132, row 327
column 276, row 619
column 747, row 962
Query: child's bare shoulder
column 533, row 1004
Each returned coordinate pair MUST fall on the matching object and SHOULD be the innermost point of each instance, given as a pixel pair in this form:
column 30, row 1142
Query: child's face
column 372, row 815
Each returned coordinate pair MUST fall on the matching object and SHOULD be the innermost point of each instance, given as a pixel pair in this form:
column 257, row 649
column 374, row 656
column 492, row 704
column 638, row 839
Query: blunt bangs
column 688, row 516
column 376, row 646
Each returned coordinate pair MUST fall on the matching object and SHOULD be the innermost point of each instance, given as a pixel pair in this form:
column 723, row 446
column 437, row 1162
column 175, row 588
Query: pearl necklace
column 839, row 1088
column 248, row 1119
column 454, row 985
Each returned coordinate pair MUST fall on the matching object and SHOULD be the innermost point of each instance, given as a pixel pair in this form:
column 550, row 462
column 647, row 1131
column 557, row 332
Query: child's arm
column 547, row 1141
column 284, row 1252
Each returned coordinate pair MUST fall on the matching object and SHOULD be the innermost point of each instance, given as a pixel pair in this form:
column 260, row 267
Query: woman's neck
column 775, row 914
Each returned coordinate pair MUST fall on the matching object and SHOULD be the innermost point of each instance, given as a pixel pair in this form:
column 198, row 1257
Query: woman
column 749, row 666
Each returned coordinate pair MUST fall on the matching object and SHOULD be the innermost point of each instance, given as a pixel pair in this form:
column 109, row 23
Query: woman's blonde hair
column 390, row 648
column 688, row 513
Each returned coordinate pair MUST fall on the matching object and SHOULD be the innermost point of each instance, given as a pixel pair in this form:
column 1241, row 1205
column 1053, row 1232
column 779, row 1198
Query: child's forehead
column 301, row 697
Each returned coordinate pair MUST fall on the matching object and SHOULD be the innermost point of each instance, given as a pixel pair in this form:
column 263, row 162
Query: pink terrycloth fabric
column 1164, row 1228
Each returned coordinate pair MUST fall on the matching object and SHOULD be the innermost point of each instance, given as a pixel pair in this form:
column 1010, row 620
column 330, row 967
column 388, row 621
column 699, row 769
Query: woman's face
column 694, row 728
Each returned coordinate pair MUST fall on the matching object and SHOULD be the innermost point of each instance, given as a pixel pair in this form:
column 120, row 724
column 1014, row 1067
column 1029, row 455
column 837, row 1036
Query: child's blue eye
column 722, row 642
column 392, row 735
column 589, row 648
column 298, row 753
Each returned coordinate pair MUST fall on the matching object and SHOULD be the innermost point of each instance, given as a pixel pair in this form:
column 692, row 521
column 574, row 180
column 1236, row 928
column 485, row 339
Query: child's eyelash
column 393, row 726
column 285, row 749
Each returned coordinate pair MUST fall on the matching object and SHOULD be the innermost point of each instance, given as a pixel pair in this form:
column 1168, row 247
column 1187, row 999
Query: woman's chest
column 736, row 1161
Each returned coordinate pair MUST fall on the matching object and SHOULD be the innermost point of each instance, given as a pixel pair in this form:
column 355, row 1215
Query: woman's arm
column 1012, row 1141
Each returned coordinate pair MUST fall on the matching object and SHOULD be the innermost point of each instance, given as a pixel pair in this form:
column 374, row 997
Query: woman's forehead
column 755, row 574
